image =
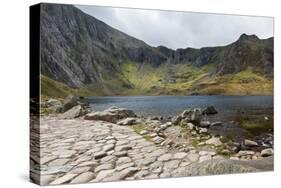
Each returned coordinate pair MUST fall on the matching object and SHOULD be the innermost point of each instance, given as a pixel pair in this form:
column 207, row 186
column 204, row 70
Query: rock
column 214, row 141
column 112, row 114
column 165, row 125
column 190, row 126
column 106, row 166
column 205, row 158
column 176, row 120
column 69, row 102
column 193, row 116
column 54, row 104
column 83, row 178
column 209, row 110
column 267, row 152
column 127, row 121
column 204, row 124
column 99, row 154
column 143, row 132
column 179, row 155
column 245, row 152
column 203, row 130
column 193, row 157
column 158, row 139
column 218, row 166
column 64, row 179
column 72, row 113
column 165, row 157
column 216, row 123
column 250, row 143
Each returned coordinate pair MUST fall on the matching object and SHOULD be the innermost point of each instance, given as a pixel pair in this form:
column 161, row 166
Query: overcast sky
column 181, row 29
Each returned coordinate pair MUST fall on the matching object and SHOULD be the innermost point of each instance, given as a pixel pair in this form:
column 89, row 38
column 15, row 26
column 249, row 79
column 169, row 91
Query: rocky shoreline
column 150, row 146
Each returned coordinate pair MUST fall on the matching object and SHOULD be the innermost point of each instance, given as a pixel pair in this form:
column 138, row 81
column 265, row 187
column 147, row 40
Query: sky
column 181, row 29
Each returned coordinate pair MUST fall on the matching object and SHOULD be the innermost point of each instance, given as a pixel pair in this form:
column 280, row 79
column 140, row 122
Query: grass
column 52, row 88
column 141, row 127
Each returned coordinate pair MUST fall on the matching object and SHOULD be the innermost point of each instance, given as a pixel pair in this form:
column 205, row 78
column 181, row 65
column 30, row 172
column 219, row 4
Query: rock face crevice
column 80, row 50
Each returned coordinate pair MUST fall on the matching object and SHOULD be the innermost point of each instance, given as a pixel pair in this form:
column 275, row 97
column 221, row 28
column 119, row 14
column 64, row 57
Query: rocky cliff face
column 81, row 51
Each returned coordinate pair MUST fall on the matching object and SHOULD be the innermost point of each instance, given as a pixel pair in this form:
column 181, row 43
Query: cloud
column 181, row 29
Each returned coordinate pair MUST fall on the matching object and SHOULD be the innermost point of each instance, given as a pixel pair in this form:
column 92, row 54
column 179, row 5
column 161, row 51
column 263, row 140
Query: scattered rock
column 267, row 152
column 69, row 102
column 204, row 124
column 209, row 110
column 74, row 112
column 143, row 132
column 250, row 143
column 54, row 104
column 245, row 152
column 127, row 121
column 214, row 141
column 176, row 120
column 84, row 177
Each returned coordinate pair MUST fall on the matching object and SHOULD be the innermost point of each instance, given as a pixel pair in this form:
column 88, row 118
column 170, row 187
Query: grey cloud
column 181, row 29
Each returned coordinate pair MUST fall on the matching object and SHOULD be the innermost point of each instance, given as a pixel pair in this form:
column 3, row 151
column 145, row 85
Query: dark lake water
column 228, row 107
column 173, row 105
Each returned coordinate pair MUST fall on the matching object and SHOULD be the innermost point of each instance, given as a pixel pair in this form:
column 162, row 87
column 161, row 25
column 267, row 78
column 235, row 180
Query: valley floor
column 80, row 151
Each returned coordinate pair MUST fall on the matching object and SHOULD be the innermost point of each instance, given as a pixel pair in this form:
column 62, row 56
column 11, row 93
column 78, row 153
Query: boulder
column 267, row 152
column 193, row 116
column 127, row 121
column 74, row 112
column 214, row 141
column 112, row 114
column 54, row 104
column 250, row 143
column 204, row 124
column 176, row 120
column 209, row 110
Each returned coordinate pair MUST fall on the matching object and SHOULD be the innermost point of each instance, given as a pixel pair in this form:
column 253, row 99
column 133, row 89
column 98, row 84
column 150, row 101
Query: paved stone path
column 80, row 151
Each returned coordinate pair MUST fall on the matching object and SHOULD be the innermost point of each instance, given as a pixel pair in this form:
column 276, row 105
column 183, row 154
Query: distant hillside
column 85, row 55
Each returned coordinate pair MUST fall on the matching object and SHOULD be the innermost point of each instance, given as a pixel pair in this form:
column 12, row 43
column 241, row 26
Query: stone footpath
column 80, row 151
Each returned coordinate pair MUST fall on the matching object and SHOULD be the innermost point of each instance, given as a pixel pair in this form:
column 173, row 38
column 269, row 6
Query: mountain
column 83, row 54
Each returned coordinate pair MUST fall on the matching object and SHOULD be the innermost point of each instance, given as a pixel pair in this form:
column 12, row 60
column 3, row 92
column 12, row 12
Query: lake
column 228, row 107
column 173, row 105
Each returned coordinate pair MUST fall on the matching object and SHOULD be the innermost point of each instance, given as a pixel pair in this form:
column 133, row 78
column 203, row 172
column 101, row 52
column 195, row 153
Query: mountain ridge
column 83, row 52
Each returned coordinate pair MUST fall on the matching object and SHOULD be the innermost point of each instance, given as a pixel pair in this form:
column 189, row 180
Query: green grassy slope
column 176, row 79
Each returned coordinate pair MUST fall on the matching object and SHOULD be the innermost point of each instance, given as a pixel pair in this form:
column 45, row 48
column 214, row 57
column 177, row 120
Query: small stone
column 214, row 141
column 64, row 179
column 123, row 148
column 143, row 132
column 123, row 166
column 100, row 154
column 193, row 157
column 108, row 147
column 205, row 158
column 204, row 124
column 267, row 152
column 120, row 153
column 58, row 162
column 250, row 143
column 245, row 152
column 165, row 157
column 179, row 155
column 83, row 178
column 106, row 166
